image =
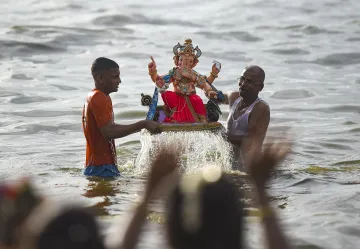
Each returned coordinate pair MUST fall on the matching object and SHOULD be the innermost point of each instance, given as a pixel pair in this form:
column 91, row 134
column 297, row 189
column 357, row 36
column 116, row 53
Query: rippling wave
column 310, row 57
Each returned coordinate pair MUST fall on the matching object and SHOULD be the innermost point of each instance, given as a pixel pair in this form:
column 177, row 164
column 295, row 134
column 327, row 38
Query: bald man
column 249, row 115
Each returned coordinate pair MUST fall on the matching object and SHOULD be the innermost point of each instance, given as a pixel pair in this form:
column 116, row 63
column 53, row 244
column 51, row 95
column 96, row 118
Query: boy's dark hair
column 101, row 64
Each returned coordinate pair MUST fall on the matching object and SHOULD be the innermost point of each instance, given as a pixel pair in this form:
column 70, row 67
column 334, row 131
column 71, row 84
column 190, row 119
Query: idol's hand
column 152, row 65
column 215, row 70
column 211, row 94
column 160, row 82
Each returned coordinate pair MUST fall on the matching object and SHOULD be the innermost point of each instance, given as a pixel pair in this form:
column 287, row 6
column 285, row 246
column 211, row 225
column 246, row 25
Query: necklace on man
column 242, row 108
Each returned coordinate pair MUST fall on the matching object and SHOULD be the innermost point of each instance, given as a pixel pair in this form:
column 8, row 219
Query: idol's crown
column 187, row 48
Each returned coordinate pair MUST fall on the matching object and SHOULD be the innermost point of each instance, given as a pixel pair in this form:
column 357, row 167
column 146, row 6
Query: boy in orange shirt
column 98, row 121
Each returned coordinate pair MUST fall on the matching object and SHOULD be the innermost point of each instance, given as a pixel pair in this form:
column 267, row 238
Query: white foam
column 201, row 149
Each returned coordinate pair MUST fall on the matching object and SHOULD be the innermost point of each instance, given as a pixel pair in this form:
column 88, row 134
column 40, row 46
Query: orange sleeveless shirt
column 98, row 112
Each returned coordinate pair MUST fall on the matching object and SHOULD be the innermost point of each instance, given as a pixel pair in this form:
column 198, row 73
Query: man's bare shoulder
column 262, row 108
column 260, row 115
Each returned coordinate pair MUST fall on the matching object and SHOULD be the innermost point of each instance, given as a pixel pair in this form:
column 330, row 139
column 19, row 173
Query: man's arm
column 260, row 165
column 112, row 130
column 102, row 111
column 275, row 236
column 163, row 167
column 258, row 123
column 230, row 98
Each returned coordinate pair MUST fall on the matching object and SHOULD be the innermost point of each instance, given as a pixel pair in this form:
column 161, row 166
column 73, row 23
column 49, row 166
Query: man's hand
column 152, row 126
column 220, row 96
column 165, row 163
column 261, row 164
column 162, row 168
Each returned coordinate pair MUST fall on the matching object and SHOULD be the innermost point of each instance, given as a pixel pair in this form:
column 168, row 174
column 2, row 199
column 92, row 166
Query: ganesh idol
column 183, row 104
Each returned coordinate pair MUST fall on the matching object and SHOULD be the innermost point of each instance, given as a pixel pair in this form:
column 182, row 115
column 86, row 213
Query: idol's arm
column 203, row 84
column 153, row 75
column 162, row 81
column 213, row 74
column 211, row 78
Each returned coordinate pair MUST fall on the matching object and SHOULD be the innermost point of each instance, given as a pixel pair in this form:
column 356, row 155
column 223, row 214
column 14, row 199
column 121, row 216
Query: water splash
column 201, row 149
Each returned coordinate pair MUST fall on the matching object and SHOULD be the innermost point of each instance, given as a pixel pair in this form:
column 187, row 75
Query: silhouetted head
column 17, row 201
column 204, row 212
column 106, row 74
column 251, row 82
column 59, row 228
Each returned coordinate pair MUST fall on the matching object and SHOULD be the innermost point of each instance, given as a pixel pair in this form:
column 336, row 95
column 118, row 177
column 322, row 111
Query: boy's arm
column 103, row 114
column 112, row 130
